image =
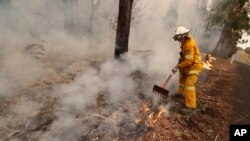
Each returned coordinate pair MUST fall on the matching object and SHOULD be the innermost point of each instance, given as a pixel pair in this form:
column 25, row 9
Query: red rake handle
column 166, row 82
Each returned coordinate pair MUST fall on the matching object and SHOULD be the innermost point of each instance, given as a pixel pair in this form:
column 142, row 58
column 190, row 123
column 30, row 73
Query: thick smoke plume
column 57, row 67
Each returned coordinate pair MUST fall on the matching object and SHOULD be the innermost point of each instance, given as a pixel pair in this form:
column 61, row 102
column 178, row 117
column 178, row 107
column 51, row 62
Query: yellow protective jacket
column 190, row 60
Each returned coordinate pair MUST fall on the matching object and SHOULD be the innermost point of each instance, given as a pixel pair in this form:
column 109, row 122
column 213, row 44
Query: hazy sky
column 245, row 37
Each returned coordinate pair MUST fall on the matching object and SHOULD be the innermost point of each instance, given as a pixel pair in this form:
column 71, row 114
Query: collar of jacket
column 188, row 38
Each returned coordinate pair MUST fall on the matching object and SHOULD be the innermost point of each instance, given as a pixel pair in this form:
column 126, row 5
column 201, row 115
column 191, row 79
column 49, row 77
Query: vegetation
column 233, row 16
column 247, row 50
column 244, row 57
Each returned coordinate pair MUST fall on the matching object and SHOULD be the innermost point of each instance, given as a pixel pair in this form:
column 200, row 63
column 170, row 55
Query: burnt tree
column 123, row 27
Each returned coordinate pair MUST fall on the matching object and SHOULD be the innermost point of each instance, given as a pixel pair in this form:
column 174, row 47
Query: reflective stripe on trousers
column 189, row 91
column 190, row 88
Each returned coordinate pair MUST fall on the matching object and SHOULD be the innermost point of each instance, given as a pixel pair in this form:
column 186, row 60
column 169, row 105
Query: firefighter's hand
column 175, row 69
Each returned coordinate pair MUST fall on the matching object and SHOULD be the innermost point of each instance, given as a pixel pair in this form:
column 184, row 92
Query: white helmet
column 180, row 32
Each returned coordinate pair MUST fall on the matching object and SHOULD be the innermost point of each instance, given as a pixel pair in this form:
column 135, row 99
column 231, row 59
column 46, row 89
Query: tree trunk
column 221, row 47
column 123, row 27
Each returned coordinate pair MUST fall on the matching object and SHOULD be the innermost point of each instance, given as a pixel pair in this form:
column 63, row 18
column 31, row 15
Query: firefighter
column 189, row 65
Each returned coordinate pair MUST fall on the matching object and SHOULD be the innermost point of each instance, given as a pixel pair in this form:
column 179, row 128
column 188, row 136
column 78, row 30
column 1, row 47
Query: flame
column 144, row 107
column 155, row 116
column 208, row 60
column 207, row 65
column 138, row 120
column 150, row 117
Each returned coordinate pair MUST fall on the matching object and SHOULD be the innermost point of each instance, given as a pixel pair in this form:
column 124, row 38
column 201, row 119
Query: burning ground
column 112, row 100
column 223, row 96
column 86, row 99
column 59, row 81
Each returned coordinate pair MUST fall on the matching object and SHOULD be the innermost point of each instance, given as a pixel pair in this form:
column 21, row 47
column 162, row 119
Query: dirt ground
column 223, row 99
column 241, row 96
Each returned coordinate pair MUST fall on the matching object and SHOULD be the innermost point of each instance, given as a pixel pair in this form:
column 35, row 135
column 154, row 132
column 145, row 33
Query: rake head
column 160, row 91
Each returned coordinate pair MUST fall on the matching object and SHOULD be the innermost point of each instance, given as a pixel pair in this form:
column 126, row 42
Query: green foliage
column 233, row 15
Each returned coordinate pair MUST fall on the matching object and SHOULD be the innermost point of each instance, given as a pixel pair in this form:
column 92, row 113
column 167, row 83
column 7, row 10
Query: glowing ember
column 144, row 107
column 114, row 115
column 138, row 121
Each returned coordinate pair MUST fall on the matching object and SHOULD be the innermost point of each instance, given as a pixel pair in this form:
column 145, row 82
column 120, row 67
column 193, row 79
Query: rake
column 161, row 90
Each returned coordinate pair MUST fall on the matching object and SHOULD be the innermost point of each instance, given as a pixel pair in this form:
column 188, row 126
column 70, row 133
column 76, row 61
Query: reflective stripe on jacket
column 190, row 60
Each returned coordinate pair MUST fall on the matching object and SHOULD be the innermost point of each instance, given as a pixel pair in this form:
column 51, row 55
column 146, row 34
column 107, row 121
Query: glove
column 175, row 69
column 180, row 54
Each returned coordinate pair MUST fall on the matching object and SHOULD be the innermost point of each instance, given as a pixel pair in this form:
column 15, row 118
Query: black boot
column 177, row 96
column 188, row 111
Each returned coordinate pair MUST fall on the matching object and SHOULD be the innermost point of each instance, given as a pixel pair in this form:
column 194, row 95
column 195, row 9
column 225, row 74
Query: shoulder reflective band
column 192, row 88
column 188, row 57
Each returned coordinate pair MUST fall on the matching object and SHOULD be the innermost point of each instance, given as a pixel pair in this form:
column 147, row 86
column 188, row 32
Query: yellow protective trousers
column 187, row 88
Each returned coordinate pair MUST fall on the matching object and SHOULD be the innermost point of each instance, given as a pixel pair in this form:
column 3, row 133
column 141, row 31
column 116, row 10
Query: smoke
column 66, row 48
column 20, row 115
